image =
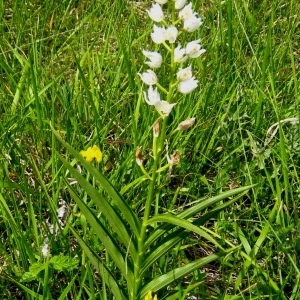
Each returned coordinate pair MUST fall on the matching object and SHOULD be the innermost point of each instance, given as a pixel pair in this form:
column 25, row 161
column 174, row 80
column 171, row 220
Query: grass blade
column 101, row 267
column 106, row 238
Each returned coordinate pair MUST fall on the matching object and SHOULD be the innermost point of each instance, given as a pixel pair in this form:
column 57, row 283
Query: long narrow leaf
column 114, row 219
column 106, row 238
column 192, row 211
column 129, row 215
column 65, row 292
column 101, row 268
column 25, row 289
column 172, row 239
column 164, row 280
column 174, row 220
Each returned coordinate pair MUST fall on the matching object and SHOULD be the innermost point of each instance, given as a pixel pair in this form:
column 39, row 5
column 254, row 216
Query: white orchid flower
column 156, row 13
column 193, row 23
column 158, row 35
column 155, row 59
column 185, row 74
column 193, row 49
column 186, row 86
column 171, row 34
column 186, row 12
column 148, row 77
column 153, row 96
column 164, row 107
column 179, row 54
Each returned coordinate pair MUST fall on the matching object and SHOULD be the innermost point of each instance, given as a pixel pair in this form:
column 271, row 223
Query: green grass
column 73, row 65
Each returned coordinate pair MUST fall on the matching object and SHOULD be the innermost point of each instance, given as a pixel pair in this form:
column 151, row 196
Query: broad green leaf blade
column 172, row 239
column 177, row 221
column 129, row 215
column 164, row 280
column 192, row 211
column 102, row 269
column 106, row 238
column 60, row 263
column 112, row 216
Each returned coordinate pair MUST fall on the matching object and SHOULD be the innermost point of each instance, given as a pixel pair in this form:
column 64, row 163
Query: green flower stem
column 158, row 147
column 162, row 88
column 154, row 147
column 145, row 172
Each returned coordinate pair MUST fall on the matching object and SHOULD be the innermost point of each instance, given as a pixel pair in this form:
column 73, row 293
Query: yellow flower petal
column 97, row 153
column 91, row 153
column 149, row 296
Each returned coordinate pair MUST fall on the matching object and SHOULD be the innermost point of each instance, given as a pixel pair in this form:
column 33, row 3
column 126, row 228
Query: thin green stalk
column 154, row 182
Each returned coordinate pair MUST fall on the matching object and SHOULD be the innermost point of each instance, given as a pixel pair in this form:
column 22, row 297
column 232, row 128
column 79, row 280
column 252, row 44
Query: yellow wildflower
column 91, row 153
column 149, row 296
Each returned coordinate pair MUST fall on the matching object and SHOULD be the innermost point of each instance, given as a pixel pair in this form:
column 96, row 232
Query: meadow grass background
column 74, row 64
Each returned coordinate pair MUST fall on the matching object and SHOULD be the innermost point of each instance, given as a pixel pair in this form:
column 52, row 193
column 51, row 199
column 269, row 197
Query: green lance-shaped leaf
column 127, row 212
column 171, row 239
column 24, row 288
column 114, row 219
column 106, row 275
column 192, row 211
column 174, row 220
column 106, row 238
column 164, row 280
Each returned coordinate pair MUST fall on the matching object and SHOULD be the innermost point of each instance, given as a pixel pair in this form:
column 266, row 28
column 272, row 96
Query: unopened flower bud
column 156, row 128
column 174, row 159
column 138, row 156
column 184, row 125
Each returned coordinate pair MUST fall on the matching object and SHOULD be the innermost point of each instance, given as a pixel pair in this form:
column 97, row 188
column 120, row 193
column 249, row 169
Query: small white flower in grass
column 171, row 34
column 148, row 77
column 186, row 86
column 193, row 23
column 156, row 13
column 161, row 1
column 193, row 49
column 184, row 125
column 179, row 4
column 155, row 59
column 153, row 96
column 164, row 107
column 45, row 249
column 184, row 74
column 158, row 34
column 179, row 54
column 186, row 12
